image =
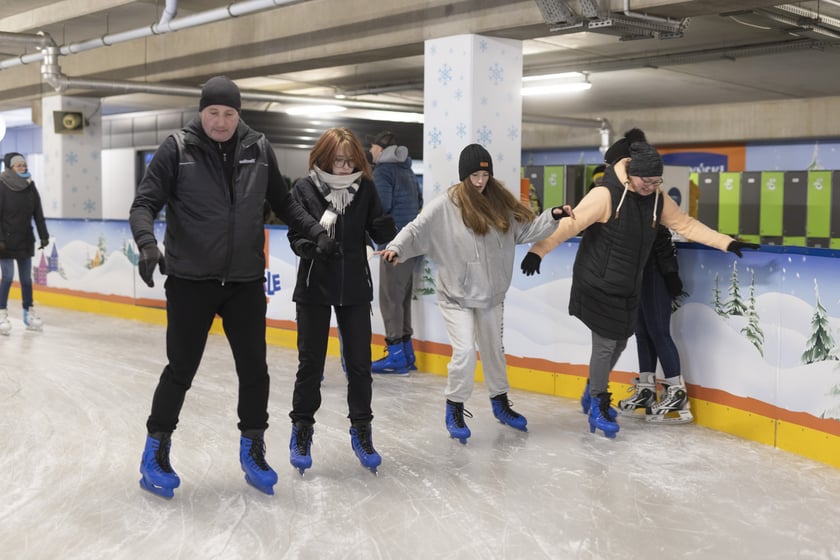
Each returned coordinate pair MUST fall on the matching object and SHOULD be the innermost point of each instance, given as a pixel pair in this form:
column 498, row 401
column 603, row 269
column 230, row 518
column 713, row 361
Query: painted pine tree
column 820, row 346
column 716, row 302
column 426, row 285
column 735, row 304
column 103, row 248
column 751, row 330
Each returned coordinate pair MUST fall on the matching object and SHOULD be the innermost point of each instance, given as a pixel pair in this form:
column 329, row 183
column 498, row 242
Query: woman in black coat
column 339, row 192
column 19, row 204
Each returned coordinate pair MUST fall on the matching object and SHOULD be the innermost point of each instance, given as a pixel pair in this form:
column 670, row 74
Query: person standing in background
column 214, row 177
column 20, row 203
column 401, row 199
column 340, row 194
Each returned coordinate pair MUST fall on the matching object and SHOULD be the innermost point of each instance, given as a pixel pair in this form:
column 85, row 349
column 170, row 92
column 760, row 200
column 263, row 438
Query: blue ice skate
column 252, row 459
column 586, row 399
column 602, row 416
column 506, row 415
column 360, row 439
column 158, row 476
column 300, row 446
column 455, row 413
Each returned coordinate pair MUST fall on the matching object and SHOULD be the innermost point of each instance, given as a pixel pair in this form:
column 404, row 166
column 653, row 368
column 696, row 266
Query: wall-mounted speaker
column 68, row 122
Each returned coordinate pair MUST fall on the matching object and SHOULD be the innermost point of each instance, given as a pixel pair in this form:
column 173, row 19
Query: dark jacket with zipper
column 607, row 274
column 344, row 281
column 17, row 210
column 214, row 225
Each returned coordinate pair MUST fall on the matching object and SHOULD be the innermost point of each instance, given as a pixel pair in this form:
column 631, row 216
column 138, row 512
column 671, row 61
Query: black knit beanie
column 621, row 148
column 645, row 161
column 220, row 91
column 474, row 158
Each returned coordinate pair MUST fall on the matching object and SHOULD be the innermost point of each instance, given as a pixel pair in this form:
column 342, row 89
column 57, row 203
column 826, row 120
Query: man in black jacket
column 214, row 177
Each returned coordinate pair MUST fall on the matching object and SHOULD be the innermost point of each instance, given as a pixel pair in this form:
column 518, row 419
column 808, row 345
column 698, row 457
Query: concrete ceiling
column 727, row 52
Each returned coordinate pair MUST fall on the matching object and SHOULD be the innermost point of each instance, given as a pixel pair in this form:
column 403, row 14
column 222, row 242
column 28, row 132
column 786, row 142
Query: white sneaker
column 5, row 325
column 31, row 319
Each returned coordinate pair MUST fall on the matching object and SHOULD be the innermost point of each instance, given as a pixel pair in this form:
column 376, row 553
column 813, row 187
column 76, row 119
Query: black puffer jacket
column 17, row 209
column 607, row 274
column 344, row 281
column 214, row 230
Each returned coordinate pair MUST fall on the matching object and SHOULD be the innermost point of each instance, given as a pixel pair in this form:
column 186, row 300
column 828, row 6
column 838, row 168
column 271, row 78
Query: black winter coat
column 344, row 281
column 17, row 209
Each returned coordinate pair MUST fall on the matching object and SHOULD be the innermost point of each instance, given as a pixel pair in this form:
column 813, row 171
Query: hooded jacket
column 214, row 228
column 19, row 204
column 397, row 185
column 608, row 268
column 473, row 271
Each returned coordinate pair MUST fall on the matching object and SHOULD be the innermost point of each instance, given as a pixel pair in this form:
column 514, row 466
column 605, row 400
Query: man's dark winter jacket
column 214, row 230
column 344, row 281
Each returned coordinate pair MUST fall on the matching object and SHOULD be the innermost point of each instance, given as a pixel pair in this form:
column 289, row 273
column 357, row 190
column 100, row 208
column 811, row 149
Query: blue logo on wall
column 700, row 162
column 272, row 283
column 676, row 194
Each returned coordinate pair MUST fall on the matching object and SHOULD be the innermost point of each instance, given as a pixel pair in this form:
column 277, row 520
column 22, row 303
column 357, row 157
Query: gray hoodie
column 473, row 270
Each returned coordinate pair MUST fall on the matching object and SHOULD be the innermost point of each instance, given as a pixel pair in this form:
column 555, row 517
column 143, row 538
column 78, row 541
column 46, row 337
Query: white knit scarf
column 339, row 191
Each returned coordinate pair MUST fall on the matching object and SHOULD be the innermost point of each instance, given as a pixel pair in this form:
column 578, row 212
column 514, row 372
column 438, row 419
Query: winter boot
column 158, row 476
column 300, row 446
column 586, row 399
column 360, row 440
column 644, row 394
column 252, row 459
column 31, row 319
column 505, row 414
column 602, row 416
column 5, row 324
column 394, row 362
column 408, row 349
column 455, row 413
column 673, row 407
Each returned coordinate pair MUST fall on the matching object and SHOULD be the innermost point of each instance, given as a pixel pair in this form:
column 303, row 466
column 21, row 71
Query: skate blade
column 672, row 417
column 162, row 491
column 637, row 413
column 265, row 489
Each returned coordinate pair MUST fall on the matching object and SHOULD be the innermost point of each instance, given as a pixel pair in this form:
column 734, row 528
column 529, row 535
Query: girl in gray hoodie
column 471, row 232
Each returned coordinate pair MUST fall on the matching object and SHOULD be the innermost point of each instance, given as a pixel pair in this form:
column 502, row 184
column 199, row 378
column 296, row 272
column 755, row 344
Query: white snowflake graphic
column 72, row 158
column 497, row 74
column 461, row 130
column 435, row 137
column 89, row 206
column 445, row 74
column 484, row 135
column 483, row 45
column 484, row 101
column 513, row 133
column 459, row 94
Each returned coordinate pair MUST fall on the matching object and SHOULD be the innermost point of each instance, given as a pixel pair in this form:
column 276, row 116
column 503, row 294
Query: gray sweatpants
column 605, row 354
column 466, row 328
column 396, row 284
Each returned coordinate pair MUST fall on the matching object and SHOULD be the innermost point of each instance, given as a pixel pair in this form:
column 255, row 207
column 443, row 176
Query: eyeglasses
column 341, row 162
column 652, row 181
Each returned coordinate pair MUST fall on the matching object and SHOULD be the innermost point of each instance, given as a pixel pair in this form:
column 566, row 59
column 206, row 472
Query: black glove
column 531, row 264
column 673, row 284
column 736, row 246
column 44, row 243
column 150, row 257
column 328, row 248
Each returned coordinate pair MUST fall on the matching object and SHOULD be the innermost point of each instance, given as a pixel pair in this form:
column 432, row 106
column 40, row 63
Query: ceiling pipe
column 165, row 25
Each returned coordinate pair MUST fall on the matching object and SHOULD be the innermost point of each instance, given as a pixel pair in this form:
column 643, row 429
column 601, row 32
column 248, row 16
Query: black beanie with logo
column 474, row 158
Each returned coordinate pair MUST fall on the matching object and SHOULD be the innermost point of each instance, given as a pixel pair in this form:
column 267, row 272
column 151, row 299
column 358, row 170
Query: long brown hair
column 324, row 151
column 492, row 208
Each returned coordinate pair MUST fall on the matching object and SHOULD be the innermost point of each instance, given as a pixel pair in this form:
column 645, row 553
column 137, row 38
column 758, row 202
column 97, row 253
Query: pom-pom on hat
column 384, row 139
column 220, row 91
column 645, row 161
column 621, row 148
column 474, row 158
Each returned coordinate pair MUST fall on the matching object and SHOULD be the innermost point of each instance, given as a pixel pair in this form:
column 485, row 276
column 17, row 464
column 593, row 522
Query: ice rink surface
column 75, row 397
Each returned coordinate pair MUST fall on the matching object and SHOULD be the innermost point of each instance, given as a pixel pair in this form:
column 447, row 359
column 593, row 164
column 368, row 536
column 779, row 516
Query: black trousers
column 313, row 324
column 190, row 309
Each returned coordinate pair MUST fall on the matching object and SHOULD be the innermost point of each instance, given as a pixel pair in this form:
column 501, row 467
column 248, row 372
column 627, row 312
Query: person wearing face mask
column 20, row 203
column 214, row 177
column 340, row 194
column 470, row 233
column 619, row 219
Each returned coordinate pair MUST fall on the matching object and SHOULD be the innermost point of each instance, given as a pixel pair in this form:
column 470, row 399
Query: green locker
column 795, row 212
column 772, row 207
column 728, row 203
column 554, row 190
column 835, row 216
column 575, row 183
column 708, row 203
column 749, row 218
column 818, row 227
